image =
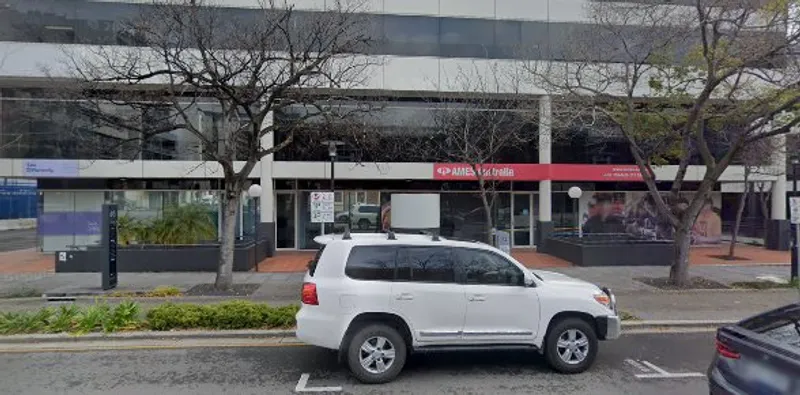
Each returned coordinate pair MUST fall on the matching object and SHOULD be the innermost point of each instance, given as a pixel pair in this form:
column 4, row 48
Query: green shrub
column 163, row 291
column 92, row 318
column 238, row 314
column 123, row 317
column 235, row 314
column 25, row 322
column 64, row 319
column 282, row 317
column 178, row 316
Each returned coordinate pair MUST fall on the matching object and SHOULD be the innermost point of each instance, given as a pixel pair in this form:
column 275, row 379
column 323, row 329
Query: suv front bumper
column 608, row 327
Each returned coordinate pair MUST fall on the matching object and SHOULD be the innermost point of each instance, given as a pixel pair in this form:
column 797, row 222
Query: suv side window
column 372, row 263
column 486, row 268
column 426, row 264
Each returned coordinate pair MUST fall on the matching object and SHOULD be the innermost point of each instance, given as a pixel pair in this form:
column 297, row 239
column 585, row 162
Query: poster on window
column 635, row 213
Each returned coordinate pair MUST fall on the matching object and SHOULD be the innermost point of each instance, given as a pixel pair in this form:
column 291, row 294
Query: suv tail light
column 726, row 350
column 309, row 294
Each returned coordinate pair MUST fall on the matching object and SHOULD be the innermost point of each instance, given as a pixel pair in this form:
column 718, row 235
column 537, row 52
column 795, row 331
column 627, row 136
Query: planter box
column 602, row 250
column 158, row 258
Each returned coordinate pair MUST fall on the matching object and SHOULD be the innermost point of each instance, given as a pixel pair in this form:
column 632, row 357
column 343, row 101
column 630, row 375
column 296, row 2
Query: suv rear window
column 372, row 263
column 312, row 264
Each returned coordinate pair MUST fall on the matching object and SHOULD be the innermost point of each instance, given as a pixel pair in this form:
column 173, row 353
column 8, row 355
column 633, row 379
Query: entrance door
column 285, row 218
column 522, row 220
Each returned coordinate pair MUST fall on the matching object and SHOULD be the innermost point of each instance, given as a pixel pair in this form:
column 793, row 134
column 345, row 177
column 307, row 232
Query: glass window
column 507, row 40
column 374, row 263
column 369, row 209
column 284, row 220
column 487, row 268
column 426, row 264
column 411, row 29
column 467, row 31
column 411, row 35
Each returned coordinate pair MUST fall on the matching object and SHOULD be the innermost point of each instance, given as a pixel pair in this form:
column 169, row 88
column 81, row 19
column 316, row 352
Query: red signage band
column 537, row 172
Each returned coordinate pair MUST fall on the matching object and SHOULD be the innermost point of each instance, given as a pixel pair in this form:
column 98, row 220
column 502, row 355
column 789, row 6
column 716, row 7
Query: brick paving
column 26, row 261
column 748, row 254
column 32, row 261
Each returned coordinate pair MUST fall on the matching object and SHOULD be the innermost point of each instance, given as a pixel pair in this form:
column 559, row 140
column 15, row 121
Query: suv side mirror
column 529, row 282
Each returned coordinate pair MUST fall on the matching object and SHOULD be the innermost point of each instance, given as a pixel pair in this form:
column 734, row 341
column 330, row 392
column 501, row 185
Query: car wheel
column 363, row 224
column 571, row 346
column 376, row 354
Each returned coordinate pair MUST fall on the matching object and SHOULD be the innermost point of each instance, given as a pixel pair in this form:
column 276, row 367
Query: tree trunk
column 224, row 278
column 764, row 198
column 739, row 213
column 679, row 272
column 487, row 210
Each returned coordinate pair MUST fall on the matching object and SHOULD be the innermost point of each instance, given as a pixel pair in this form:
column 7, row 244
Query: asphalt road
column 277, row 370
column 13, row 240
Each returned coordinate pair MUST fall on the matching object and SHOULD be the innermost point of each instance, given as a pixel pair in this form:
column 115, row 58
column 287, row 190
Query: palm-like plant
column 130, row 230
column 187, row 224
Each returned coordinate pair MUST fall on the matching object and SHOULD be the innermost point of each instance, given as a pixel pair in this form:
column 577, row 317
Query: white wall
column 314, row 170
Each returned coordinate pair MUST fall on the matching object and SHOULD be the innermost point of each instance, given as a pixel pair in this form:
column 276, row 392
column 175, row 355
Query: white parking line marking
column 669, row 376
column 654, row 367
column 645, row 367
column 637, row 365
column 301, row 386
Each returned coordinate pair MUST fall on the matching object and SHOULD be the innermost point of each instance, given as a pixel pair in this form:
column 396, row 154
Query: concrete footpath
column 639, row 299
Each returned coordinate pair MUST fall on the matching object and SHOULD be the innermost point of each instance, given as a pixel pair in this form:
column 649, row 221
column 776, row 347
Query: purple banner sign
column 70, row 223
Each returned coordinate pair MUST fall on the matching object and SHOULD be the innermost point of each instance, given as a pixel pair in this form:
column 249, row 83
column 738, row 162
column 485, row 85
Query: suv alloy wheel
column 376, row 354
column 571, row 346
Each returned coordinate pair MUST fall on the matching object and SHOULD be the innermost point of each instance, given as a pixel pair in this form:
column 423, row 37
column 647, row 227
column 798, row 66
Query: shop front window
column 360, row 211
column 522, row 219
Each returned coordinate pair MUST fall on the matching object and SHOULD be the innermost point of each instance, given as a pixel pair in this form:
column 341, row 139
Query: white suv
column 377, row 297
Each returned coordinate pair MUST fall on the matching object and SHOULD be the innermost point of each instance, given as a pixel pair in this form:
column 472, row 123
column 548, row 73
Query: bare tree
column 683, row 84
column 219, row 76
column 754, row 159
column 476, row 129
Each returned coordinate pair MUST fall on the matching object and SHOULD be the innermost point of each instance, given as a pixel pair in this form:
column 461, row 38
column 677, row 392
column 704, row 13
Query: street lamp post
column 795, row 268
column 575, row 194
column 332, row 153
column 254, row 192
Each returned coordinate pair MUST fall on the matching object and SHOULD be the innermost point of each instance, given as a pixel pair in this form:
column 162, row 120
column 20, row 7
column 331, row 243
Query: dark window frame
column 356, row 277
column 494, row 255
column 457, row 273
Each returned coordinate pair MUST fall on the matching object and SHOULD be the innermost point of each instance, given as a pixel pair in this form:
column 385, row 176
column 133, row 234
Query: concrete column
column 267, row 206
column 544, row 224
column 777, row 237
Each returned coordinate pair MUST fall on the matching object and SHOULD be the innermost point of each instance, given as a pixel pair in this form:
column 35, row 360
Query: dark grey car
column 759, row 355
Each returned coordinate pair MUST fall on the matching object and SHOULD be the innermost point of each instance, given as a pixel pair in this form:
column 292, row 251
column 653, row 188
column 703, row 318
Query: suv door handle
column 405, row 296
column 477, row 298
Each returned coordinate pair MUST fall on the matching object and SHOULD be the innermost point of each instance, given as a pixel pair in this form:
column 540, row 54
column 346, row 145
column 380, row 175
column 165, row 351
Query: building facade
column 422, row 46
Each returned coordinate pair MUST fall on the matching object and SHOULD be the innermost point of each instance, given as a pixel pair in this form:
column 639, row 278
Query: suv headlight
column 606, row 298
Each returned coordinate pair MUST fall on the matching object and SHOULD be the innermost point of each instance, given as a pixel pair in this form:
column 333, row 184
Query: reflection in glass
column 285, row 222
column 307, row 230
column 522, row 219
column 360, row 210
